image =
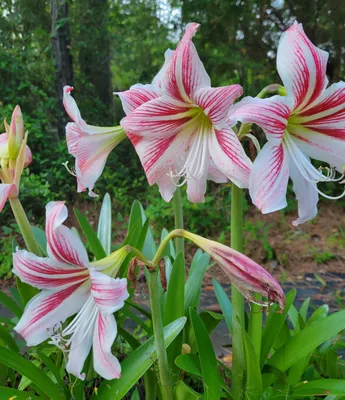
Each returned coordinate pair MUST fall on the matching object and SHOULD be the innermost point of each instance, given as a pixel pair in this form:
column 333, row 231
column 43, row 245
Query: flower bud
column 244, row 273
column 15, row 133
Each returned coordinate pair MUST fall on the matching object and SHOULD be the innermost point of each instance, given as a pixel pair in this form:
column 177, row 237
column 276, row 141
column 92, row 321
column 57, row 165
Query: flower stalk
column 178, row 212
column 238, row 362
column 157, row 323
column 24, row 226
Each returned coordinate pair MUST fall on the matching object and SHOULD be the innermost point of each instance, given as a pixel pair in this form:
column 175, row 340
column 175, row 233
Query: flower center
column 193, row 162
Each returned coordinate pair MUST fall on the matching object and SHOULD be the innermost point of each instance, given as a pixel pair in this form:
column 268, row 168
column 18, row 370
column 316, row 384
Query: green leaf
column 104, row 225
column 253, row 386
column 318, row 314
column 134, row 366
column 208, row 359
column 304, row 309
column 135, row 395
column 194, row 281
column 189, row 363
column 10, row 304
column 131, row 340
column 306, row 341
column 8, row 340
column 211, row 319
column 9, row 393
column 40, row 238
column 319, row 387
column 55, row 370
column 174, row 307
column 224, row 302
column 185, row 392
column 90, row 235
column 26, row 368
column 274, row 325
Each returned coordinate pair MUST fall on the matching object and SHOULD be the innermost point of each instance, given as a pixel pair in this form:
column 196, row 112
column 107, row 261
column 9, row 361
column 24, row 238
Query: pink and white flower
column 178, row 127
column 90, row 145
column 308, row 122
column 15, row 155
column 72, row 285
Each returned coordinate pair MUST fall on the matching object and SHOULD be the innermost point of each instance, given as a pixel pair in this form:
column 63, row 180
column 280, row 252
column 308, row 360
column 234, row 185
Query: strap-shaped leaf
column 10, row 304
column 90, row 235
column 104, row 225
column 26, row 368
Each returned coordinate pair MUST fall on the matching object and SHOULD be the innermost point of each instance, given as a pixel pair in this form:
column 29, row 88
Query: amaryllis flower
column 308, row 122
column 243, row 272
column 15, row 155
column 72, row 285
column 90, row 145
column 178, row 126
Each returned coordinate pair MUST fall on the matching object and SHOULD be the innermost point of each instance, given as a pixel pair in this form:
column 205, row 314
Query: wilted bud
column 244, row 273
column 15, row 133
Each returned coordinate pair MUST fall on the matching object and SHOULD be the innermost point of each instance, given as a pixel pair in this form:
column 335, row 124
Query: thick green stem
column 255, row 325
column 157, row 322
column 178, row 210
column 24, row 226
column 238, row 362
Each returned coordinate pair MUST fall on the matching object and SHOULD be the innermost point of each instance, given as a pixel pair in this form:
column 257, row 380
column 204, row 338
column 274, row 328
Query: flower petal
column 63, row 245
column 246, row 274
column 136, row 96
column 71, row 105
column 306, row 195
column 109, row 293
column 167, row 186
column 82, row 338
column 196, row 189
column 104, row 362
column 162, row 117
column 159, row 155
column 229, row 157
column 270, row 114
column 186, row 72
column 320, row 145
column 91, row 154
column 47, row 310
column 46, row 273
column 301, row 66
column 4, row 146
column 216, row 102
column 6, row 190
column 269, row 178
column 158, row 80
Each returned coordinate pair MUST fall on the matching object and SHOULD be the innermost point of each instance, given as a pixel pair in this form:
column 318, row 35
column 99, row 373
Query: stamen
column 71, row 171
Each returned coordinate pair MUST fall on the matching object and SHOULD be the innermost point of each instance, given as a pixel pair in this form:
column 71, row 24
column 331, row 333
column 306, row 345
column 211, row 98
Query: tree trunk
column 61, row 45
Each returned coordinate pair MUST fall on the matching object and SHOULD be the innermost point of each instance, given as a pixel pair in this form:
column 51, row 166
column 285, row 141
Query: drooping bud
column 15, row 133
column 244, row 273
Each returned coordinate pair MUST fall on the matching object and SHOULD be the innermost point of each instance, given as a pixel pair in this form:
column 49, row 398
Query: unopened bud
column 15, row 133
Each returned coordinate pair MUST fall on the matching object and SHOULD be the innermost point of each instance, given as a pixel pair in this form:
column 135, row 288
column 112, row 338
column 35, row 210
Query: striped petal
column 136, row 96
column 228, row 156
column 109, row 293
column 4, row 145
column 158, row 80
column 104, row 362
column 301, row 66
column 269, row 178
column 6, row 190
column 270, row 114
column 216, row 102
column 162, row 117
column 46, row 273
column 321, row 145
column 159, row 155
column 306, row 195
column 186, row 72
column 63, row 245
column 246, row 274
column 91, row 153
column 44, row 313
column 71, row 106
